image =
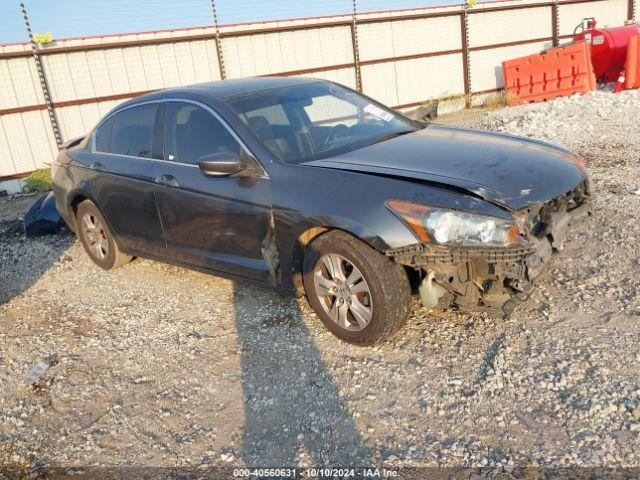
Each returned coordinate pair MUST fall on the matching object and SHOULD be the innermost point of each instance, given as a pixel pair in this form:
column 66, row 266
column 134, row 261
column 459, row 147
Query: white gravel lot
column 159, row 366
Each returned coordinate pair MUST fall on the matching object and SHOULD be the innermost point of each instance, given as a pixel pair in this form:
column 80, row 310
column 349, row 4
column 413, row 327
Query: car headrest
column 261, row 127
column 199, row 122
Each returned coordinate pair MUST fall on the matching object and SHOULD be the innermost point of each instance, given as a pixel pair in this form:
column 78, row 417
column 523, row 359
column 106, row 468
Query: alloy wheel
column 95, row 236
column 343, row 292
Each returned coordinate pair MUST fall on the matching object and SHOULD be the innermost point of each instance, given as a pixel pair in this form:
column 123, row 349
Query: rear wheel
column 360, row 295
column 97, row 239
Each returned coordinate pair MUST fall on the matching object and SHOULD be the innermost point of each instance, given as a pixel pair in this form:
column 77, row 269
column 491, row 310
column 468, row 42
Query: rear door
column 125, row 146
column 216, row 223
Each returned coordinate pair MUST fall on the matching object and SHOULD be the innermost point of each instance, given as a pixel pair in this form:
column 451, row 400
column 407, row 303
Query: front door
column 215, row 223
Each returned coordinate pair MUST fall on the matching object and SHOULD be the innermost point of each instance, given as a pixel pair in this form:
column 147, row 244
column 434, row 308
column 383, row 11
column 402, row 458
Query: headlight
column 456, row 228
column 452, row 227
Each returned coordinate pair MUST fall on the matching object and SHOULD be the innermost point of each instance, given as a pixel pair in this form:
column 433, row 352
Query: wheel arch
column 74, row 199
column 309, row 235
column 78, row 196
column 297, row 254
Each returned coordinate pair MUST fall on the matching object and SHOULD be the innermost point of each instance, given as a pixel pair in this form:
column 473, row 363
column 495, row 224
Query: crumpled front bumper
column 496, row 279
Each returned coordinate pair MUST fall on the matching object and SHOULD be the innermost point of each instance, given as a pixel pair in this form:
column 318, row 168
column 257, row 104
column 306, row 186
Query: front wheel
column 361, row 296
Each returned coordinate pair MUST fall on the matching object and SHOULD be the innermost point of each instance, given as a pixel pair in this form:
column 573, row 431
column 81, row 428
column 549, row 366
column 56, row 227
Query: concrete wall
column 406, row 57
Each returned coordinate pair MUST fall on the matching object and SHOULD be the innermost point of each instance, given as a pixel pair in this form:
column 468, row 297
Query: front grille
column 419, row 255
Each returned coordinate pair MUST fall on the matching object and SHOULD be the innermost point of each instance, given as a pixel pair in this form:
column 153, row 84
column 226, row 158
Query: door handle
column 167, row 180
column 97, row 166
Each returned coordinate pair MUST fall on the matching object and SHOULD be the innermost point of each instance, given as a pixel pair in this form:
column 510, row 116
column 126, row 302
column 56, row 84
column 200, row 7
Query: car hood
column 510, row 171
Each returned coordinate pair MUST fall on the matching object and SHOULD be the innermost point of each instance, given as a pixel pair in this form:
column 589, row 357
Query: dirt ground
column 157, row 366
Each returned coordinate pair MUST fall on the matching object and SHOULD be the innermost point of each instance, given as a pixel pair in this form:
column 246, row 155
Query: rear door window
column 133, row 131
column 192, row 132
column 103, row 136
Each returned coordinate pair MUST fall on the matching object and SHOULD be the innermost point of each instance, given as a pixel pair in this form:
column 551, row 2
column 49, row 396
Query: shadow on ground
column 289, row 422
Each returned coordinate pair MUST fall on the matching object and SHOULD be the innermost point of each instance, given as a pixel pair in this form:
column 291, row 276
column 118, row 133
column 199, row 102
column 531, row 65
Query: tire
column 384, row 292
column 97, row 239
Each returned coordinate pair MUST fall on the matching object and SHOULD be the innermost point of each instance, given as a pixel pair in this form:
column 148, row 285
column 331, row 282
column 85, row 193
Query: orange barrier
column 558, row 72
column 632, row 65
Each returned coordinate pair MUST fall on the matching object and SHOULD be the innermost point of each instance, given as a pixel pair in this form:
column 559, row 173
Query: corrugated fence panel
column 417, row 82
column 607, row 12
column 410, row 81
column 15, row 47
column 43, row 146
column 486, row 65
column 99, row 73
column 133, row 67
column 205, row 60
column 118, row 74
column 78, row 120
column 409, row 37
column 7, row 164
column 507, row 26
column 26, row 142
column 19, row 83
column 380, row 81
column 60, row 77
column 267, row 53
column 152, row 66
column 343, row 76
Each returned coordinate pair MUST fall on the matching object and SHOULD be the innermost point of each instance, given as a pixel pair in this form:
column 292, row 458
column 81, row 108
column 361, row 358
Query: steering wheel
column 340, row 130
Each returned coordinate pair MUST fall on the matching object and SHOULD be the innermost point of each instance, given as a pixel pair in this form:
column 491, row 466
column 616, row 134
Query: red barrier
column 632, row 66
column 558, row 72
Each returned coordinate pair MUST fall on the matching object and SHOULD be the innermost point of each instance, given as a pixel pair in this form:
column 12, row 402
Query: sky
column 77, row 18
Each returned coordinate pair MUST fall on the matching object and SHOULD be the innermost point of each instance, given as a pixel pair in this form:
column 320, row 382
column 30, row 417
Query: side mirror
column 220, row 164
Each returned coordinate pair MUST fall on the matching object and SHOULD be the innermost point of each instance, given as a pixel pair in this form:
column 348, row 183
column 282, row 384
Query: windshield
column 309, row 122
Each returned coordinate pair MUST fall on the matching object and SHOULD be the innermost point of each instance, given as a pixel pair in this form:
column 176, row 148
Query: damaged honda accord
column 311, row 187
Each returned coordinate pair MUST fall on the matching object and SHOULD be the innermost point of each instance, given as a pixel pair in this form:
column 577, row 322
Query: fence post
column 43, row 79
column 356, row 51
column 223, row 72
column 631, row 14
column 555, row 23
column 466, row 61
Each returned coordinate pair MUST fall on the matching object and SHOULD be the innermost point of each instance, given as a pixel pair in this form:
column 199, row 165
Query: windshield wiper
column 389, row 136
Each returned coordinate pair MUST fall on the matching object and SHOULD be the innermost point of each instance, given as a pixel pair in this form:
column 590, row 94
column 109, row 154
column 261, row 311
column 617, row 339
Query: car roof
column 223, row 88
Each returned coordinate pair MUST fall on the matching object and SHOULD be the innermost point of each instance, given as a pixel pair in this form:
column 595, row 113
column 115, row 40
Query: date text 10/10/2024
column 328, row 473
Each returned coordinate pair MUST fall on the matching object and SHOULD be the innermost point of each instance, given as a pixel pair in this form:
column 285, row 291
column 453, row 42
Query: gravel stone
column 161, row 366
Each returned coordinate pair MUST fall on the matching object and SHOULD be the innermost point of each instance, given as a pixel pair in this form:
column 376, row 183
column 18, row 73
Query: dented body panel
column 510, row 171
column 306, row 197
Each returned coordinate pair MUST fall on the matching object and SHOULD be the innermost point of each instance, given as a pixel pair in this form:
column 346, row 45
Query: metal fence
column 54, row 91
